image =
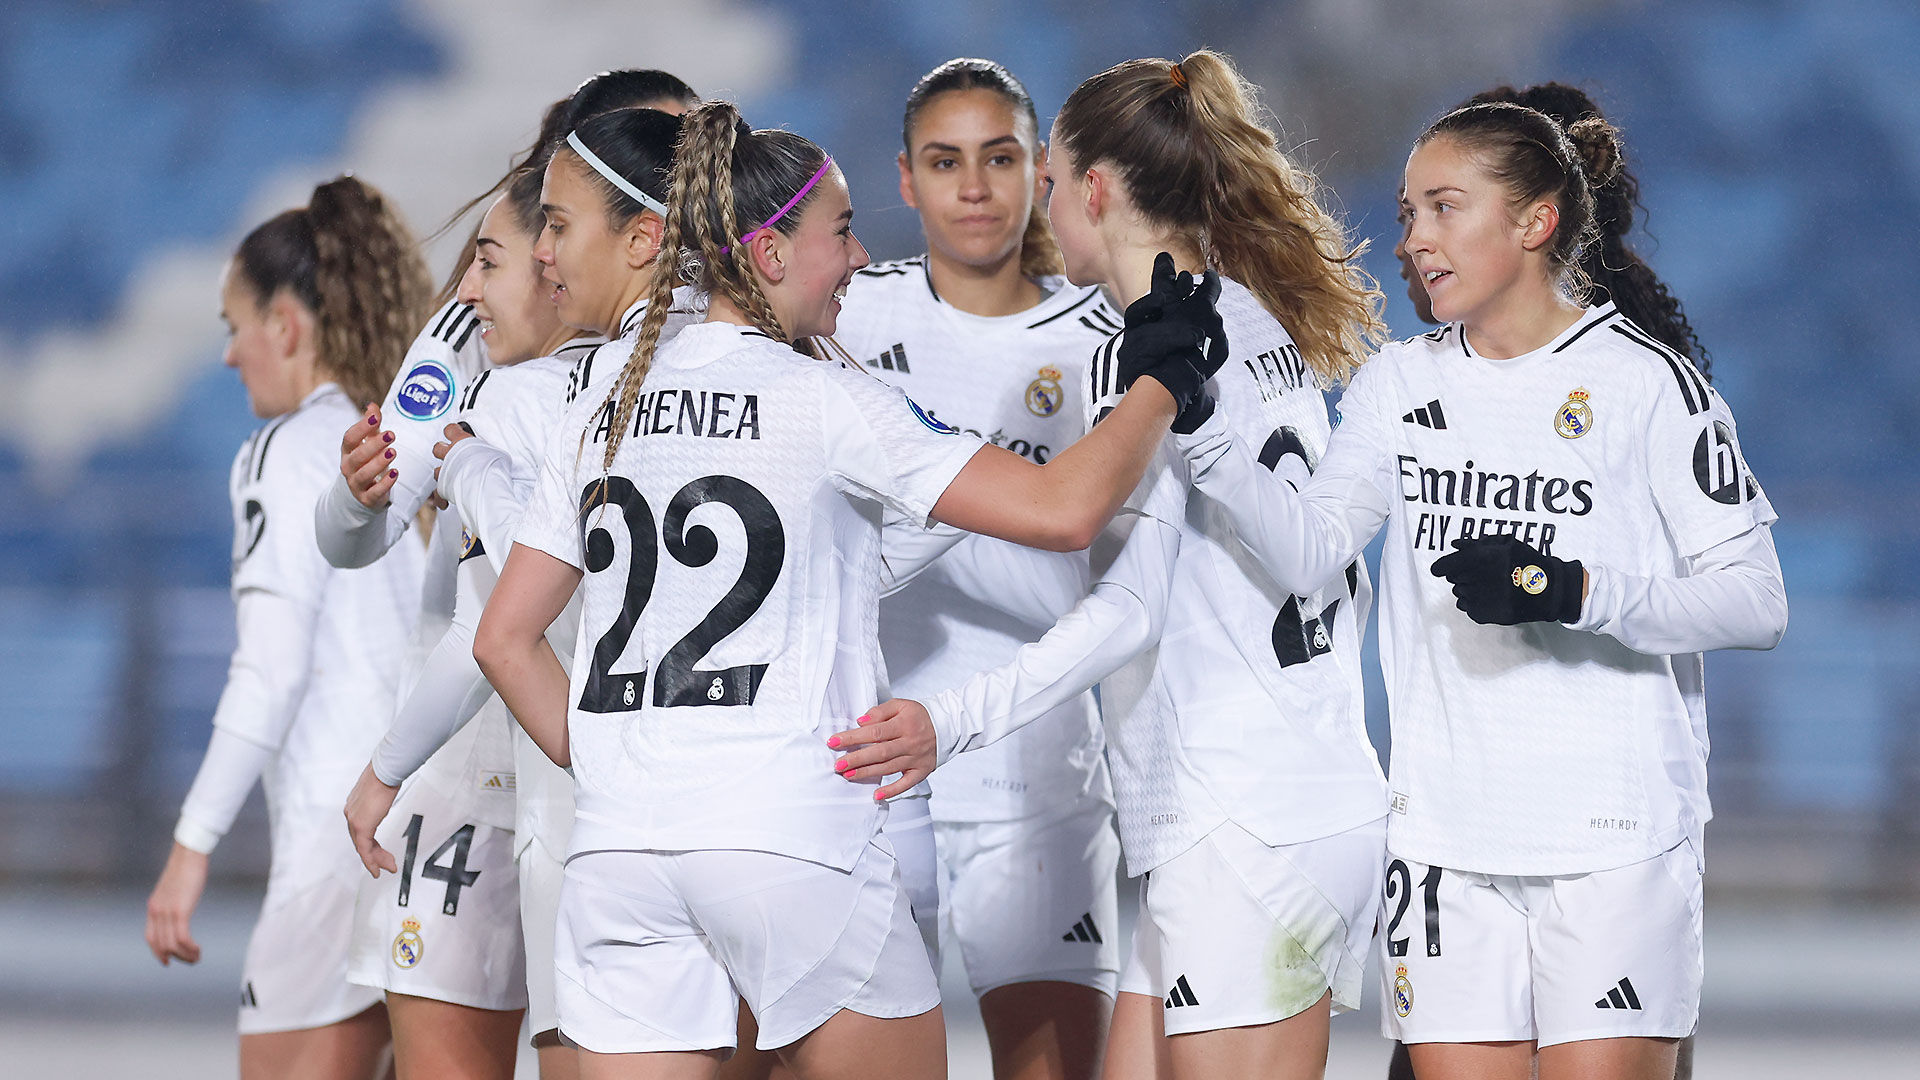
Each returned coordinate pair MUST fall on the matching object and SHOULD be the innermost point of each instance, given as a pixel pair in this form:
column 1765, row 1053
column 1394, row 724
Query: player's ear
column 642, row 239
column 906, row 181
column 769, row 258
column 1538, row 226
column 290, row 326
column 1095, row 196
column 1039, row 174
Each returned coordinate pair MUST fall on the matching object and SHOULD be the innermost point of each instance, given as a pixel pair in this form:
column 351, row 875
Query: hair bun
column 1598, row 144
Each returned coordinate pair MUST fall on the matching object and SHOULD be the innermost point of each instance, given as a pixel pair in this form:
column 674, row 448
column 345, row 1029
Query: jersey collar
column 1590, row 318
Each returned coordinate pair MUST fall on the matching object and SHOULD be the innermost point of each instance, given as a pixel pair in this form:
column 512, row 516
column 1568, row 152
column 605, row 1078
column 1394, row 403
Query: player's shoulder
column 300, row 448
column 1076, row 313
column 450, row 338
column 1646, row 365
column 908, row 273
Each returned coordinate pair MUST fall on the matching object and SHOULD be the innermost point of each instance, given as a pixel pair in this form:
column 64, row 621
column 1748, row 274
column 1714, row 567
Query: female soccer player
column 1617, row 272
column 1570, row 525
column 319, row 302
column 1245, row 785
column 442, row 935
column 600, row 240
column 985, row 332
column 723, row 505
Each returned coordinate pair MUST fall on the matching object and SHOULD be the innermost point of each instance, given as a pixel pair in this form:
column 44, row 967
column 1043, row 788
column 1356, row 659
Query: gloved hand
column 1174, row 335
column 1503, row 581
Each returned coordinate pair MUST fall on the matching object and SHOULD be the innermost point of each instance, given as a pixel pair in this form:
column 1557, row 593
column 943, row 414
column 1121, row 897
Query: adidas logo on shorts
column 1084, row 930
column 1620, row 997
column 1181, row 994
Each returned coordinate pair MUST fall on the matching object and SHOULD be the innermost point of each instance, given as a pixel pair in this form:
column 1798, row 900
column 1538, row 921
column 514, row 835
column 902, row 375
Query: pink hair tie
column 791, row 203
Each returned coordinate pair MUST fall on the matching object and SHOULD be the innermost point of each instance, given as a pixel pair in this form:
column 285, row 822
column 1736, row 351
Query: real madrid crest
column 1574, row 417
column 407, row 946
column 1044, row 394
column 1531, row 578
column 1402, row 991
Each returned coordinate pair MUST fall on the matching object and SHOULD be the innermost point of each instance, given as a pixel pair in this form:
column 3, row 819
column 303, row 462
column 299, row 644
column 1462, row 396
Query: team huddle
column 706, row 630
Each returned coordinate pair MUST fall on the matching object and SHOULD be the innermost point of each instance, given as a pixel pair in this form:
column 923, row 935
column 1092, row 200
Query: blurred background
column 1778, row 148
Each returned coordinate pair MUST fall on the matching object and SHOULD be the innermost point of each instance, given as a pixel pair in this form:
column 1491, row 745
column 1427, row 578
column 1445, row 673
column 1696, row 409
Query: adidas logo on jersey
column 1084, row 930
column 1620, row 997
column 1181, row 994
column 1428, row 416
column 894, row 359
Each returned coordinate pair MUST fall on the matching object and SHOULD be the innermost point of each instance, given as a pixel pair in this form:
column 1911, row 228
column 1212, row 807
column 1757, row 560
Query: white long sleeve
column 266, row 680
column 450, row 690
column 1733, row 597
column 478, row 478
column 227, row 773
column 349, row 534
column 907, row 548
column 1118, row 619
column 1303, row 537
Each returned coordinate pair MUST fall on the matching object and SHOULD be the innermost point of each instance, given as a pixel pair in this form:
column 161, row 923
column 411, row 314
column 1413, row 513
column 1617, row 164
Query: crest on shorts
column 1044, row 394
column 1574, row 418
column 407, row 946
column 1402, row 991
column 1531, row 578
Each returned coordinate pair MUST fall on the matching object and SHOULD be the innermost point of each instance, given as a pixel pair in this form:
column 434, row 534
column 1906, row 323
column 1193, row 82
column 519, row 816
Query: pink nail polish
column 864, row 721
column 833, row 742
column 841, row 765
column 877, row 797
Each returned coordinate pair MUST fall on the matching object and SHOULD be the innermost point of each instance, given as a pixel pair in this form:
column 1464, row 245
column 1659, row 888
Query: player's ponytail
column 1039, row 253
column 350, row 260
column 1188, row 144
column 728, row 181
column 601, row 93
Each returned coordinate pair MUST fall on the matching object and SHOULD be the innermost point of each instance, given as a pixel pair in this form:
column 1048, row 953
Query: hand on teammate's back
column 1503, row 581
column 1174, row 336
column 366, row 460
column 893, row 737
column 170, row 907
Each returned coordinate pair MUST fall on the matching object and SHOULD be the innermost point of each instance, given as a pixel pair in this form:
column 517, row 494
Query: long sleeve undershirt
column 1732, row 597
column 266, row 680
column 1121, row 617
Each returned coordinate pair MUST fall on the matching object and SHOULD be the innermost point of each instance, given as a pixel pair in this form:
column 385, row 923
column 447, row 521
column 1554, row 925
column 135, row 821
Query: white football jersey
column 1015, row 381
column 732, row 591
column 1250, row 707
column 440, row 367
column 1540, row 749
column 359, row 632
column 516, row 409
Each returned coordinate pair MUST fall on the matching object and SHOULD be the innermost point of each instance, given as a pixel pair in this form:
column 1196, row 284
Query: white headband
column 614, row 178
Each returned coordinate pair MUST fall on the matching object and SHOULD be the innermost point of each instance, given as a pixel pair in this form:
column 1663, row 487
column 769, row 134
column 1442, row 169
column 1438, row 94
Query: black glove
column 1500, row 580
column 1174, row 334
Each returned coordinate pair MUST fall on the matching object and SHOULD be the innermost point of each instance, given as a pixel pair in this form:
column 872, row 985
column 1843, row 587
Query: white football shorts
column 541, row 871
column 1233, row 933
column 295, row 975
column 1471, row 957
column 1035, row 900
column 447, row 926
column 655, row 950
